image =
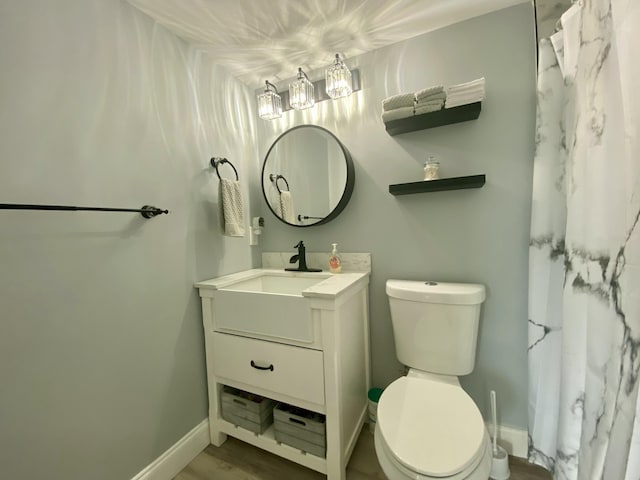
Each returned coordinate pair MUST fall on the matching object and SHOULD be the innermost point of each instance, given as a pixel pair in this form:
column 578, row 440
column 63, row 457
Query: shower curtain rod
column 147, row 211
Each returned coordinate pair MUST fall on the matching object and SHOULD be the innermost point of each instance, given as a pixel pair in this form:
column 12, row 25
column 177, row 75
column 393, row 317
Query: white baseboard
column 513, row 440
column 178, row 456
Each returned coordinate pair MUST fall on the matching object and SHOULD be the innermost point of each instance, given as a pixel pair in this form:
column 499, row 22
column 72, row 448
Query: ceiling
column 259, row 40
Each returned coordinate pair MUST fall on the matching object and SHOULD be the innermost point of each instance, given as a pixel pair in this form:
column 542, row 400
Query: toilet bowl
column 427, row 425
column 429, row 428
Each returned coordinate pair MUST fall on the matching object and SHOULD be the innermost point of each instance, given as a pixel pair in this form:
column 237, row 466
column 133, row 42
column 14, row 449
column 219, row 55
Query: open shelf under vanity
column 268, row 442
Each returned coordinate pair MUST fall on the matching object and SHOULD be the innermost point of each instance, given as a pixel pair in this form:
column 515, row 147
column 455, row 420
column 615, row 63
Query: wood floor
column 236, row 460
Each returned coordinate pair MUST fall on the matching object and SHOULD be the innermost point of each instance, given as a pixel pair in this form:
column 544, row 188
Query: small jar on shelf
column 431, row 167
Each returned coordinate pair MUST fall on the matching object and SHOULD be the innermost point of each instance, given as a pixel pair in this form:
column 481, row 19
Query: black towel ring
column 217, row 161
column 274, row 179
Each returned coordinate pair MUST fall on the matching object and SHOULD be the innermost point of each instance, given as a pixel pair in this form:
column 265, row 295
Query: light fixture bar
column 320, row 93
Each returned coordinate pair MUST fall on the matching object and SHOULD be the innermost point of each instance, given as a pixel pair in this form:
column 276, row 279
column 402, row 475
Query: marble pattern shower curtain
column 584, row 288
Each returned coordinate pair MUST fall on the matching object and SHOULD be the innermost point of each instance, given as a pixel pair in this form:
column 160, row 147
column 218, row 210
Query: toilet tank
column 435, row 324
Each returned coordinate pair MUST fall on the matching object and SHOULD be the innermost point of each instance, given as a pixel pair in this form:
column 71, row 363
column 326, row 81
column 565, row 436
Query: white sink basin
column 276, row 284
column 268, row 305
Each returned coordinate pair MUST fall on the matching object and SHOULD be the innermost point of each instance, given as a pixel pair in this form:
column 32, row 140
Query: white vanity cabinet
column 326, row 370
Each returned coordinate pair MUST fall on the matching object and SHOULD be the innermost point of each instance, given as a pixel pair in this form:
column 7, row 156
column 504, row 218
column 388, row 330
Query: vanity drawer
column 285, row 369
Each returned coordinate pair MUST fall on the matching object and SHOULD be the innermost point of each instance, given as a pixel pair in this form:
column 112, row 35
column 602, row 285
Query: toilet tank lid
column 437, row 292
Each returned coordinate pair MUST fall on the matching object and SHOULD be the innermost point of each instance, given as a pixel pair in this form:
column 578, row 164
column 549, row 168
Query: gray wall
column 101, row 347
column 101, row 350
column 464, row 236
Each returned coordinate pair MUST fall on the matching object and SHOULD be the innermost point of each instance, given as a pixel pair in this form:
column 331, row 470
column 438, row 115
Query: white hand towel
column 398, row 101
column 397, row 113
column 286, row 210
column 232, row 212
column 429, row 92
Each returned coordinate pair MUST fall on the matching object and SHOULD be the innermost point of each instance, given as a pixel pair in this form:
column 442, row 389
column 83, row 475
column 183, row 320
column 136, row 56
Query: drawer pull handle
column 254, row 365
column 295, row 420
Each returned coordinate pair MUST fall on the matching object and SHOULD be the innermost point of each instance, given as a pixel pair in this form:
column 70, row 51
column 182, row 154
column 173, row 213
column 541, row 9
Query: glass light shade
column 338, row 79
column 301, row 92
column 269, row 105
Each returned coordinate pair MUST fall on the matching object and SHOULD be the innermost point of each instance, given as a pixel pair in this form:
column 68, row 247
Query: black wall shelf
column 447, row 116
column 453, row 183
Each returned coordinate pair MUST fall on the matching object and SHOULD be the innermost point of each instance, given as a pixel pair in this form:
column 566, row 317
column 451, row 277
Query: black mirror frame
column 348, row 188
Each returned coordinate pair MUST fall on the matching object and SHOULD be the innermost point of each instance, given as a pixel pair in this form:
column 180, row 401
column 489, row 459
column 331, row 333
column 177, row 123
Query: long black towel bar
column 147, row 211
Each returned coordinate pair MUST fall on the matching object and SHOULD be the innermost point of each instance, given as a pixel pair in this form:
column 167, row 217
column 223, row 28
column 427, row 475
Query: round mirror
column 307, row 176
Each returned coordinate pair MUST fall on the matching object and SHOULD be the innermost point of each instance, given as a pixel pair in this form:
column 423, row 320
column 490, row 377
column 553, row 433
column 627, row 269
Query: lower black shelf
column 454, row 183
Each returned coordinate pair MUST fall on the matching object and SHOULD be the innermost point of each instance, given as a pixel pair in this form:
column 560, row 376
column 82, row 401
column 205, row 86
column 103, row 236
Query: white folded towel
column 398, row 101
column 455, row 97
column 430, row 103
column 436, row 96
column 459, row 93
column 429, row 107
column 430, row 92
column 397, row 114
column 232, row 212
column 458, row 100
column 477, row 84
column 465, row 93
column 286, row 210
column 465, row 96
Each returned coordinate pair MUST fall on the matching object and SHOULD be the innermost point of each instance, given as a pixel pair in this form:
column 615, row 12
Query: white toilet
column 427, row 426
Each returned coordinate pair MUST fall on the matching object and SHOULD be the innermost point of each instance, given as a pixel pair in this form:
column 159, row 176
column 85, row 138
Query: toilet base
column 394, row 471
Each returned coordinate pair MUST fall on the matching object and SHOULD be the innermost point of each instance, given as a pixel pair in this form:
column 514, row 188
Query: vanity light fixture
column 269, row 102
column 338, row 82
column 301, row 92
column 338, row 79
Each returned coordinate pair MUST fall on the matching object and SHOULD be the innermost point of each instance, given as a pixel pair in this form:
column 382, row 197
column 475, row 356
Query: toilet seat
column 431, row 427
column 395, row 471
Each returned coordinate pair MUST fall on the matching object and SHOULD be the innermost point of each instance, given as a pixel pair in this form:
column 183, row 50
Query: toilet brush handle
column 494, row 415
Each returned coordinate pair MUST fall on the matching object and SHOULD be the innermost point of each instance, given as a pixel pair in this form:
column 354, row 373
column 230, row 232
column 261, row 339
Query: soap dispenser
column 431, row 168
column 335, row 265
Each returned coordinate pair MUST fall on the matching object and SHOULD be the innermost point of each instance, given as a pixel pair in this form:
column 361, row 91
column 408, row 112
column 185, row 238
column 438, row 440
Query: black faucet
column 302, row 258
